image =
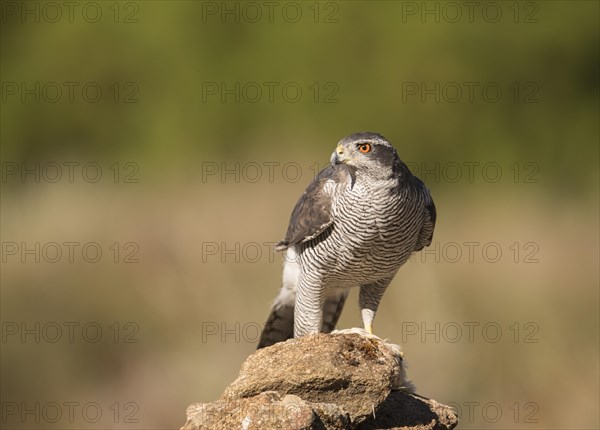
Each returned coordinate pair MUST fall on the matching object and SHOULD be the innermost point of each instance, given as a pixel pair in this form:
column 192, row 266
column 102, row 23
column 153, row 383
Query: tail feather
column 279, row 326
column 332, row 309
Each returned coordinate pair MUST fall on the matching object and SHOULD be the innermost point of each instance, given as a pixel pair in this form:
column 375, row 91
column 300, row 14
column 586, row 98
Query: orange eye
column 364, row 147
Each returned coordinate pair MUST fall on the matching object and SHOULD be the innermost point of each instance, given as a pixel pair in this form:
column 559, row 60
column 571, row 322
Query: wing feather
column 430, row 215
column 312, row 214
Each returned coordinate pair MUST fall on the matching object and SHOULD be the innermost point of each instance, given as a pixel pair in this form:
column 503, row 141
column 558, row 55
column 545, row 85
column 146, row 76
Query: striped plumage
column 358, row 221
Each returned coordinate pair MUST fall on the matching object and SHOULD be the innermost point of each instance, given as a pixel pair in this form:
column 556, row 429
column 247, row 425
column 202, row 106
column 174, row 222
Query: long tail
column 279, row 326
column 332, row 309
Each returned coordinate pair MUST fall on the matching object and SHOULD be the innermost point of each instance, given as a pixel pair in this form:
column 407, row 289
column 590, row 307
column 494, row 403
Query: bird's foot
column 363, row 332
column 402, row 382
column 354, row 330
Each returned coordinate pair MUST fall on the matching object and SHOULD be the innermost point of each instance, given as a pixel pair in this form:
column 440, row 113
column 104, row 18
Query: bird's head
column 365, row 151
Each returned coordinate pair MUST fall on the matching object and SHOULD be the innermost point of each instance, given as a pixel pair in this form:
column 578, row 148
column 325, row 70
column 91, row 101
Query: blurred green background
column 201, row 166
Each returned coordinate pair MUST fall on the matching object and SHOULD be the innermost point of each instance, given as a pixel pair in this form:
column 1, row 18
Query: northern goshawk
column 357, row 222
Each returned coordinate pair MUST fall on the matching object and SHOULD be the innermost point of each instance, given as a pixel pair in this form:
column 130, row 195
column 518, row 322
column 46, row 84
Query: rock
column 342, row 380
column 409, row 411
column 266, row 411
column 351, row 370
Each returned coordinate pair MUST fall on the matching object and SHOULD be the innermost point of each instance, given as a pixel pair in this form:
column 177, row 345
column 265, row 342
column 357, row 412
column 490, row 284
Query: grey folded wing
column 312, row 214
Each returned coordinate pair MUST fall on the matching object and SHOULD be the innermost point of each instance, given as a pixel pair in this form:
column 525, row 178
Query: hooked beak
column 339, row 155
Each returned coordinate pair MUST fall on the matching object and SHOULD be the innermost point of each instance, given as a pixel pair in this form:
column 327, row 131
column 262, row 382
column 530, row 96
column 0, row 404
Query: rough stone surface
column 353, row 371
column 265, row 411
column 343, row 380
column 409, row 411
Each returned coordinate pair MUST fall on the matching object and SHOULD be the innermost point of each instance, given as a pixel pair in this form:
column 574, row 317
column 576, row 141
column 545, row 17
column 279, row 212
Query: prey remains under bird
column 357, row 222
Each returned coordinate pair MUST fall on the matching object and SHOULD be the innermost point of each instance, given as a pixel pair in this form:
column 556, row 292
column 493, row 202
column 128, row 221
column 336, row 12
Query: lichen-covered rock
column 351, row 370
column 265, row 411
column 342, row 380
column 409, row 411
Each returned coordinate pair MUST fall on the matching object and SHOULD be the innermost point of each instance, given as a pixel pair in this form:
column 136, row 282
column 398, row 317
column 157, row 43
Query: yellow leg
column 369, row 328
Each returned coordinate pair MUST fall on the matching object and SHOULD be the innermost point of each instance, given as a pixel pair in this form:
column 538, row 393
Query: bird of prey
column 357, row 222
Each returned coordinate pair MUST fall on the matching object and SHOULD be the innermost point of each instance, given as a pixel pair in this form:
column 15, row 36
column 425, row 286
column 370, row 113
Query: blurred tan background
column 206, row 121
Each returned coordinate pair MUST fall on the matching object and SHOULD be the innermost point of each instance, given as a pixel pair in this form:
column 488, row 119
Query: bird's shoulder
column 312, row 214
